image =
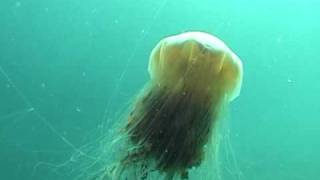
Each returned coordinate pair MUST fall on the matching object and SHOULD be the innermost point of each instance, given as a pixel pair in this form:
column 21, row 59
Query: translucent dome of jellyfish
column 193, row 75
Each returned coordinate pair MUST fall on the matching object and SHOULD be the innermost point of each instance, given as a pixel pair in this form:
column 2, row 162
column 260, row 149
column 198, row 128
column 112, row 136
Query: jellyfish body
column 197, row 60
column 193, row 75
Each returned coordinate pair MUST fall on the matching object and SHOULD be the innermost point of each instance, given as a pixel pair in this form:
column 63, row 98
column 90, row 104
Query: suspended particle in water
column 78, row 109
column 18, row 4
column 43, row 85
column 84, row 74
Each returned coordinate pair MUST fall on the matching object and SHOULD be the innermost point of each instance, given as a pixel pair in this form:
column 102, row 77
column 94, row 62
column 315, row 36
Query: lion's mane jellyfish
column 193, row 75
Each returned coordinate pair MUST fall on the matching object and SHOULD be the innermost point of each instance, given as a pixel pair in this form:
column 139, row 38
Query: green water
column 67, row 67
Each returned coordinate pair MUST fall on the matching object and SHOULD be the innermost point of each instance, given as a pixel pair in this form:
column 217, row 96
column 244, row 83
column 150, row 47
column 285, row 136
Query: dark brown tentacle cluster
column 172, row 127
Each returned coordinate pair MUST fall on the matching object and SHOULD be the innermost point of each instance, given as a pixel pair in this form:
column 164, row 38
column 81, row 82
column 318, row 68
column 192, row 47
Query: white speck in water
column 18, row 4
column 43, row 85
column 72, row 159
column 143, row 31
column 30, row 109
column 116, row 21
column 279, row 39
column 78, row 109
column 289, row 81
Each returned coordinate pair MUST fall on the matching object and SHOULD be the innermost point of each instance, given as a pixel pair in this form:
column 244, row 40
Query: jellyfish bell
column 192, row 75
column 196, row 59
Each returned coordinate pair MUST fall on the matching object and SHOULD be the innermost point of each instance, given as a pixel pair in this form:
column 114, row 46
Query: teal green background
column 68, row 67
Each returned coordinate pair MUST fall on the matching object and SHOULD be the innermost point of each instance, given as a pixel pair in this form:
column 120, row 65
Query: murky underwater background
column 68, row 67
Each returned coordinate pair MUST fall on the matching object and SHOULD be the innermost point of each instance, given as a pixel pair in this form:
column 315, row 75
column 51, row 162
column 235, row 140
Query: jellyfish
column 193, row 75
